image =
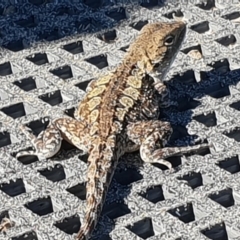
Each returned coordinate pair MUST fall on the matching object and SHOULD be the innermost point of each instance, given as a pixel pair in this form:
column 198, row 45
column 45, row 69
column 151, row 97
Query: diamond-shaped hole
column 108, row 37
column 41, row 206
column 235, row 105
column 28, row 159
column 221, row 66
column 83, row 85
column 184, row 213
column 227, row 41
column 206, row 5
column 70, row 112
column 26, row 236
column 178, row 13
column 5, row 69
column 50, row 36
column 208, row 120
column 15, row 111
column 117, row 14
column 78, row 190
column 224, row 197
column 149, row 4
column 138, row 25
column 201, row 27
column 69, row 225
column 93, row 3
column 54, row 174
column 13, row 188
column 38, row 126
column 38, row 58
column 235, row 134
column 27, row 23
column 64, row 72
column 116, row 210
column 15, row 46
column 99, row 61
column 186, row 77
column 143, row 229
column 197, row 52
column 128, row 176
column 74, row 48
column 154, row 194
column 5, row 139
column 194, row 179
column 232, row 16
column 217, row 91
column 186, row 103
column 27, row 84
column 53, row 98
column 231, row 165
column 217, row 232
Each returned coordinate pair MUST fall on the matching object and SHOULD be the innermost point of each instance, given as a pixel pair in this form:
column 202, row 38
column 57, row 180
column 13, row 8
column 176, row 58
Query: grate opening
column 50, row 36
column 78, row 190
column 187, row 103
column 232, row 16
column 70, row 112
column 124, row 49
column 117, row 14
column 235, row 134
column 179, row 132
column 74, row 48
column 54, row 174
column 38, row 58
column 138, row 25
column 15, row 111
column 208, row 5
column 209, row 120
column 64, row 72
column 5, row 139
column 29, row 22
column 149, row 4
column 194, row 179
column 27, row 236
column 171, row 15
column 83, row 85
column 154, row 194
column 93, row 3
column 224, row 197
column 41, row 206
column 38, row 126
column 5, row 69
column 52, row 98
column 27, row 84
column 126, row 177
column 13, row 188
column 216, row 232
column 217, row 91
column 108, row 37
column 227, row 41
column 143, row 229
column 186, row 77
column 235, row 105
column 14, row 46
column 99, row 61
column 116, row 210
column 201, row 27
column 25, row 160
column 221, row 66
column 3, row 215
column 193, row 52
column 231, row 165
column 69, row 225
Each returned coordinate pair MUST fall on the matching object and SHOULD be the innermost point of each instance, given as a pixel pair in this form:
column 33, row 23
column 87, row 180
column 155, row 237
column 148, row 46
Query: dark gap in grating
column 93, row 3
column 208, row 120
column 124, row 49
column 117, row 14
column 83, row 158
column 235, row 134
column 38, row 58
column 217, row 232
column 83, row 85
column 194, row 179
column 13, row 188
column 78, row 190
column 178, row 132
column 38, row 126
column 54, row 174
column 201, row 152
column 26, row 236
column 53, row 98
column 116, row 210
column 63, row 10
column 70, row 112
column 193, row 48
column 226, row 41
column 217, row 91
column 50, row 36
column 66, row 146
column 184, row 213
column 5, row 139
column 224, row 197
column 99, row 61
column 175, row 161
column 201, row 27
column 39, row 2
column 150, row 4
column 128, row 176
column 231, row 165
column 139, row 25
column 232, row 16
column 27, row 84
column 5, row 69
column 64, row 72
column 41, row 206
column 235, row 105
column 27, row 23
column 186, row 77
column 74, row 48
column 221, row 66
column 25, row 160
column 14, row 46
column 187, row 103
column 108, row 37
column 171, row 15
column 206, row 5
column 154, row 194
column 69, row 225
column 143, row 229
column 14, row 111
column 3, row 215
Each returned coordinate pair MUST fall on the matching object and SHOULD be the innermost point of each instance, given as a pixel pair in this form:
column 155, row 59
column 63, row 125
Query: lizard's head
column 156, row 47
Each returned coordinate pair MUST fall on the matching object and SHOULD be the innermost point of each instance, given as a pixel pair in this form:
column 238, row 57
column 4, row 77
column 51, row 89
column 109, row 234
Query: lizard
column 120, row 114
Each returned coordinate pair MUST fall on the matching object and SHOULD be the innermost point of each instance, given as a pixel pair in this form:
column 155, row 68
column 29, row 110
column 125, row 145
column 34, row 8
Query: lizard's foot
column 5, row 224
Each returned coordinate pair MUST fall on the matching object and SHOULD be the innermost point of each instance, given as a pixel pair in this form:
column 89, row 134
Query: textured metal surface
column 50, row 50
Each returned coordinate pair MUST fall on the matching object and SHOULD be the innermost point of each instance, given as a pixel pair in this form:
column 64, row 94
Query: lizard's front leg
column 48, row 142
column 151, row 137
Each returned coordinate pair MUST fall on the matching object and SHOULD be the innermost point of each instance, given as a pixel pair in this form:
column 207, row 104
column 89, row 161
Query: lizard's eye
column 169, row 40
